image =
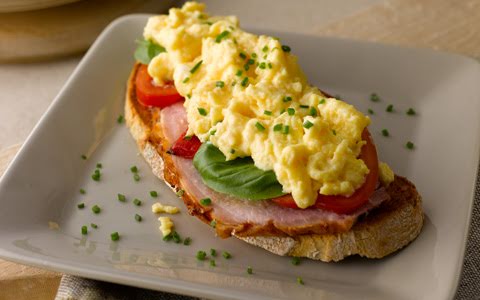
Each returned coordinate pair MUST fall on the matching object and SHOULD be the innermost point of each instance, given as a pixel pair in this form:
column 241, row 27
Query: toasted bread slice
column 382, row 231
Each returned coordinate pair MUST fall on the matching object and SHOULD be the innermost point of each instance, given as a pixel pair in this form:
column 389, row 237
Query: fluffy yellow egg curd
column 247, row 95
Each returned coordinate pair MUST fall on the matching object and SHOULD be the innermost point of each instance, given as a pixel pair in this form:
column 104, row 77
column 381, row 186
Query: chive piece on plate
column 153, row 194
column 84, row 157
column 81, row 205
column 212, row 263
column 82, row 191
column 121, row 198
column 370, row 111
column 138, row 218
column 96, row 209
column 411, row 112
column 295, row 261
column 180, row 193
column 120, row 119
column 409, row 145
column 84, row 230
column 286, row 48
column 137, row 202
column 374, row 97
column 226, row 255
column 385, row 132
column 187, row 241
column 99, row 165
column 201, row 255
column 206, row 201
column 94, row 226
column 134, row 169
column 115, row 236
column 176, row 237
column 389, row 108
column 249, row 270
column 213, row 252
column 300, row 280
column 136, row 177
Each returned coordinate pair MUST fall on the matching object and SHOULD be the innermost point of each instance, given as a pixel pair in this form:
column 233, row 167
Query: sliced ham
column 252, row 217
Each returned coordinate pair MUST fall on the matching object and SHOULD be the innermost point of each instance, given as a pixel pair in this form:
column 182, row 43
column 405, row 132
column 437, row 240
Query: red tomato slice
column 186, row 147
column 341, row 204
column 149, row 94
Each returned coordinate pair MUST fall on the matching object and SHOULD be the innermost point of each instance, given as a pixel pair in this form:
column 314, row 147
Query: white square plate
column 42, row 183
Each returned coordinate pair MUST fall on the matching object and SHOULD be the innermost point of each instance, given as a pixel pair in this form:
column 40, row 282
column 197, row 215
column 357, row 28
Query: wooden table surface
column 446, row 25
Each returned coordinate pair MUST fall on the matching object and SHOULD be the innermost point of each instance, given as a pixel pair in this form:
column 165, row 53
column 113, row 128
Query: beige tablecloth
column 446, row 25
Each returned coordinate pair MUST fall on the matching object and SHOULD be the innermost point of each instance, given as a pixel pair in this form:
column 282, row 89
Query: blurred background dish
column 67, row 28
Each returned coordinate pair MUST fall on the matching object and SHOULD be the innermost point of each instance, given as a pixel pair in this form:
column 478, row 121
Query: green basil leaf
column 146, row 51
column 238, row 177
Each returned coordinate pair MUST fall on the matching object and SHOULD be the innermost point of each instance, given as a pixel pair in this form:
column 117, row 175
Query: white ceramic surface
column 42, row 183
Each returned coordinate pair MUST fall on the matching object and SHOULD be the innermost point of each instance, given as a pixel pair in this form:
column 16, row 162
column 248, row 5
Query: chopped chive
column 121, row 198
column 226, row 255
column 259, row 126
column 137, row 202
column 374, row 97
column 136, row 177
column 120, row 119
column 84, row 230
column 176, row 237
column 221, row 36
column 304, row 106
column 389, row 108
column 212, row 132
column 265, row 49
column 245, row 82
column 115, row 236
column 82, row 191
column 213, row 252
column 220, row 84
column 385, row 132
column 286, row 129
column 287, row 99
column 84, row 157
column 187, row 241
column 250, row 61
column 290, row 111
column 286, row 48
column 239, row 73
column 180, row 193
column 254, row 55
column 187, row 79
column 242, row 55
column 370, row 111
column 138, row 218
column 265, row 56
column 195, row 68
column 212, row 263
column 188, row 137
column 246, row 67
column 213, row 223
column 96, row 175
column 189, row 96
column 313, row 112
column 81, row 206
column 322, row 101
column 202, row 111
column 295, row 261
column 99, row 165
column 94, row 226
column 206, row 201
column 249, row 270
column 153, row 194
column 269, row 65
column 411, row 112
column 134, row 169
column 208, row 23
column 338, row 97
column 267, row 112
column 168, row 237
column 409, row 145
column 201, row 255
column 334, row 132
column 300, row 280
column 232, row 151
column 307, row 124
column 278, row 127
column 282, row 111
column 96, row 209
column 262, row 65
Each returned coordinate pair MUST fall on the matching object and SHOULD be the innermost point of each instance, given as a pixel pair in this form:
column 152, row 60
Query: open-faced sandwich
column 228, row 120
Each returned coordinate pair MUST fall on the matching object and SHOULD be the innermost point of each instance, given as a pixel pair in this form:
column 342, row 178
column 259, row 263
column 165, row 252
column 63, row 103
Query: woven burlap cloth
column 447, row 25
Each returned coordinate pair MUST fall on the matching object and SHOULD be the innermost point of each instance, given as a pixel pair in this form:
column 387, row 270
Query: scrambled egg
column 160, row 208
column 385, row 174
column 166, row 225
column 248, row 95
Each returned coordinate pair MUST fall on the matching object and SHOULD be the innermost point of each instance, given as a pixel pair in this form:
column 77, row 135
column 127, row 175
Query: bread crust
column 384, row 230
